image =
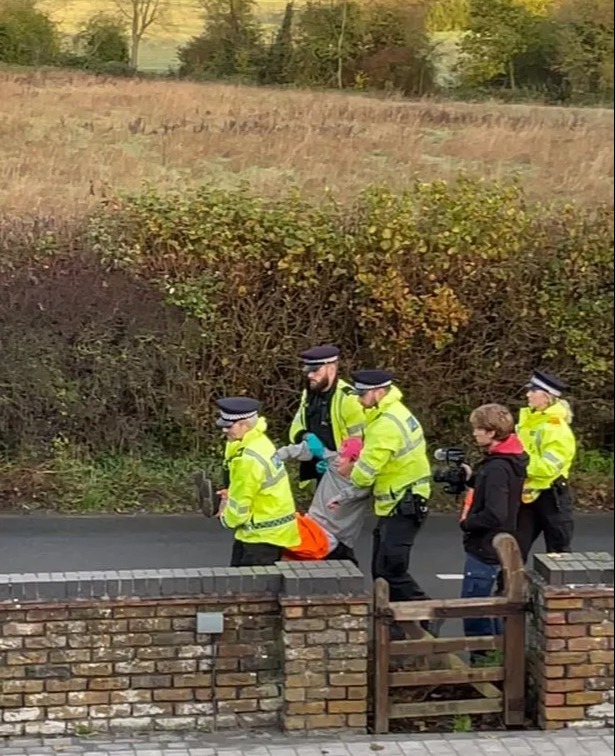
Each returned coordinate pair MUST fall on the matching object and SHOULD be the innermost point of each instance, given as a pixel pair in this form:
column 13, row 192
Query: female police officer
column 544, row 430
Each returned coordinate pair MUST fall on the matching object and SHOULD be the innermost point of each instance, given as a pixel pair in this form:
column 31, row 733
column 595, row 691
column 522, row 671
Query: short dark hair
column 493, row 417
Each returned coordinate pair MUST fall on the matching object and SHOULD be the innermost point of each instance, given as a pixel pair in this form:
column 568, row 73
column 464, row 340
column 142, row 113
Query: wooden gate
column 501, row 687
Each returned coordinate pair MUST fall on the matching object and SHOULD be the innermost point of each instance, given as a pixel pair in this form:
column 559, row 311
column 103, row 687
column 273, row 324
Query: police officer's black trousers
column 393, row 540
column 549, row 515
column 254, row 554
column 343, row 553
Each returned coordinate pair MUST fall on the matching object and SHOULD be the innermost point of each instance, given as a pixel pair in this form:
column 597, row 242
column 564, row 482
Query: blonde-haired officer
column 545, row 432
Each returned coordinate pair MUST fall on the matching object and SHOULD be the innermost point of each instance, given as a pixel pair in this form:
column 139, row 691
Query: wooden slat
column 414, row 611
column 431, row 646
column 445, row 708
column 446, row 677
column 382, row 646
column 514, row 668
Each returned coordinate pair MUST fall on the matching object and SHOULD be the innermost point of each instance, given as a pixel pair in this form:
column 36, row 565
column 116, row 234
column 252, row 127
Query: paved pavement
column 52, row 543
column 564, row 743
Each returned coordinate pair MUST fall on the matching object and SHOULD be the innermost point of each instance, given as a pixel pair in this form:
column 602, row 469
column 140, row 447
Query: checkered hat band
column 368, row 387
column 545, row 387
column 233, row 418
column 320, row 361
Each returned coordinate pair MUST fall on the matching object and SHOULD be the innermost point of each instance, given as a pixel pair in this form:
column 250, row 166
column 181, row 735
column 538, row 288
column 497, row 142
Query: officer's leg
column 260, row 555
column 557, row 520
column 396, row 538
column 237, row 553
column 343, row 553
column 529, row 527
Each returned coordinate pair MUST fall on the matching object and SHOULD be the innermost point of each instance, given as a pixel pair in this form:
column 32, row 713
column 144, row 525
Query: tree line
column 562, row 49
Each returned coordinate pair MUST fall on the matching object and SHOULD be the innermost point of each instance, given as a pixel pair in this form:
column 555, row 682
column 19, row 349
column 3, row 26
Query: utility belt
column 412, row 505
column 562, row 494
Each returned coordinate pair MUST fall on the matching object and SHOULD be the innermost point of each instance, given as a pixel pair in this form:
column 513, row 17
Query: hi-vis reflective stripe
column 270, row 523
column 550, row 457
column 391, row 497
column 409, row 444
column 239, row 509
column 367, row 469
column 354, row 430
column 271, row 479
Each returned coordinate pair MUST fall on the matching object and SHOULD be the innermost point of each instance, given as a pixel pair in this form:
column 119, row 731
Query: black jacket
column 497, row 484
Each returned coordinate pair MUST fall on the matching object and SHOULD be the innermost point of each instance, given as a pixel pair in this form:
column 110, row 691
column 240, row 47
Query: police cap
column 318, row 356
column 235, row 408
column 545, row 382
column 366, row 380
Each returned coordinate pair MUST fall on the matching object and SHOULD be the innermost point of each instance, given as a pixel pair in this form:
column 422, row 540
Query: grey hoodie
column 345, row 522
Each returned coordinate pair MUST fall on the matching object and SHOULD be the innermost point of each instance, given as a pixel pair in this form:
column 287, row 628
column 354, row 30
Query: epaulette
column 348, row 390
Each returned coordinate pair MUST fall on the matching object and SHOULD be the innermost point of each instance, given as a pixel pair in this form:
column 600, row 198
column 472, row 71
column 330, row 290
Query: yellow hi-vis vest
column 550, row 444
column 394, row 456
column 260, row 506
column 347, row 415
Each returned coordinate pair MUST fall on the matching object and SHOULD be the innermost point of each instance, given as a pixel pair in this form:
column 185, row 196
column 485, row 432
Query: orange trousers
column 314, row 542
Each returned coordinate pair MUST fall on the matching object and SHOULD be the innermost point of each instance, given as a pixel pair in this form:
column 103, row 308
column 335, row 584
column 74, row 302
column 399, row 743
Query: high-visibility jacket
column 260, row 506
column 548, row 439
column 394, row 456
column 347, row 415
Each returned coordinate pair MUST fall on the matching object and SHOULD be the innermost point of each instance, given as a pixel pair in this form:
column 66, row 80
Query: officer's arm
column 297, row 427
column 553, row 455
column 377, row 451
column 354, row 415
column 247, row 477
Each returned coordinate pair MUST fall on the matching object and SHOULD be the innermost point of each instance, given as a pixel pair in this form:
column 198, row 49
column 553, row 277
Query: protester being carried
column 329, row 533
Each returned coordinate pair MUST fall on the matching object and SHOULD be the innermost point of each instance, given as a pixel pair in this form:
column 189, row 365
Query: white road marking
column 451, row 576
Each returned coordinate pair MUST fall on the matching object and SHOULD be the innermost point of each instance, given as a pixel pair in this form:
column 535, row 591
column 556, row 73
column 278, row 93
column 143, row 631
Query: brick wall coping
column 284, row 579
column 576, row 569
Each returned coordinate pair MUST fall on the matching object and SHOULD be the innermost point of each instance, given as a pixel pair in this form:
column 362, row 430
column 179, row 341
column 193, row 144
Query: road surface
column 53, row 543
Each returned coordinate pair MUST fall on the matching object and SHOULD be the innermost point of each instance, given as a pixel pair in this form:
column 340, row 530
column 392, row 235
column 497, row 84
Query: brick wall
column 140, row 650
column 570, row 652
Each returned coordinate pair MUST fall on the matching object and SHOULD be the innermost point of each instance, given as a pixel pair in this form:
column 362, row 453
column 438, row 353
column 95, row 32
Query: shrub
column 104, row 40
column 27, row 35
column 119, row 336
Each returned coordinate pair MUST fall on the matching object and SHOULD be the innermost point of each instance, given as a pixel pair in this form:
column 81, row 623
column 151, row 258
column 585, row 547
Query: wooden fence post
column 515, row 590
column 382, row 652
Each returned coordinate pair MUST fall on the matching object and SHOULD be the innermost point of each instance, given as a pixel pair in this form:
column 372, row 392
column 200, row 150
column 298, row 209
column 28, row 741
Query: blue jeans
column 478, row 581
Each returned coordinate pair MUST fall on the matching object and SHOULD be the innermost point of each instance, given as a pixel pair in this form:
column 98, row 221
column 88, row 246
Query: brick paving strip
column 571, row 742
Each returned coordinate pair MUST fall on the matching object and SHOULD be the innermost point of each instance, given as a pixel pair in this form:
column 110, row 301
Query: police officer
column 329, row 411
column 544, row 430
column 257, row 501
column 394, row 462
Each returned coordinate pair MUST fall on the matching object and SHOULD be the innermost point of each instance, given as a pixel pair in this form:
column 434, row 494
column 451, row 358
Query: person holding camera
column 545, row 432
column 257, row 501
column 492, row 505
column 394, row 464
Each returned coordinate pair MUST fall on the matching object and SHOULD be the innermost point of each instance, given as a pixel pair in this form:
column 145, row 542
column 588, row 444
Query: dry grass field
column 67, row 139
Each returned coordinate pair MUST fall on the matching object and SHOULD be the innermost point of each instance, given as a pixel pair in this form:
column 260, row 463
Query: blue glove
column 322, row 466
column 314, row 445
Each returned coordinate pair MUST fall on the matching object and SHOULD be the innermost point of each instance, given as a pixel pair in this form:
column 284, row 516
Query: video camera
column 455, row 476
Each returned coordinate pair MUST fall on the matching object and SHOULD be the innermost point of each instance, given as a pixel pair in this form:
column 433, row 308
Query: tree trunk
column 340, row 47
column 135, row 38
column 511, row 75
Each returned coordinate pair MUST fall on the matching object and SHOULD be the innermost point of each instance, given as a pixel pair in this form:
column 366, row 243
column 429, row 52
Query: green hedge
column 118, row 332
